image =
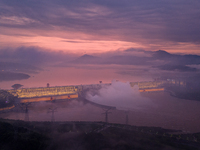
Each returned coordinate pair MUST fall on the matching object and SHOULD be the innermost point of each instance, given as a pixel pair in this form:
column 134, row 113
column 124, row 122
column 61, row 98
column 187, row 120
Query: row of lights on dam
column 48, row 85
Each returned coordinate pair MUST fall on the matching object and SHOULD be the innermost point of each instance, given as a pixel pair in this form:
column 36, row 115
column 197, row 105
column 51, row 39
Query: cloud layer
column 33, row 59
column 151, row 24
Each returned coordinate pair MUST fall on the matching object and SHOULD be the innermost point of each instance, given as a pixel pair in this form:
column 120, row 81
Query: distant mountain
column 158, row 58
column 87, row 59
column 18, row 67
column 127, row 60
column 176, row 59
column 190, row 59
column 161, row 54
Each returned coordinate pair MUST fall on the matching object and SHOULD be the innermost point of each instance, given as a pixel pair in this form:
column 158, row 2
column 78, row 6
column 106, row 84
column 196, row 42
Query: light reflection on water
column 168, row 112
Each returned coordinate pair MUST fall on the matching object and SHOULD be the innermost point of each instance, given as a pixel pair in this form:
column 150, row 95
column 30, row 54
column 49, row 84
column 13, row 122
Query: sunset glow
column 95, row 27
column 143, row 39
column 99, row 74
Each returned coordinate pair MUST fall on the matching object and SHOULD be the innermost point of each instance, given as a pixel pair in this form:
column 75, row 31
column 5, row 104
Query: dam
column 173, row 113
column 25, row 95
column 45, row 93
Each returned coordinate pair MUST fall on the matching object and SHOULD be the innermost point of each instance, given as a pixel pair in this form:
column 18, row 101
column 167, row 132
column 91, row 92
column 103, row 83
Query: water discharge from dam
column 120, row 95
column 167, row 112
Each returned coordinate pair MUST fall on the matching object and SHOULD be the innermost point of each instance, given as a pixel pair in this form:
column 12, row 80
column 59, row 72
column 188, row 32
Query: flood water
column 167, row 112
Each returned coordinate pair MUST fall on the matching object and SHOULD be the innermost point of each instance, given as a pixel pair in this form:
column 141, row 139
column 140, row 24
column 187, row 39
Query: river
column 167, row 112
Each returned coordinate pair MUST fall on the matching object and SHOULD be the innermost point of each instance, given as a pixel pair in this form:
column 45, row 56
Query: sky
column 89, row 26
column 79, row 42
column 122, row 38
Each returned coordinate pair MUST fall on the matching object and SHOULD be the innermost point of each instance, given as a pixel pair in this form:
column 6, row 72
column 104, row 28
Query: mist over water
column 120, row 95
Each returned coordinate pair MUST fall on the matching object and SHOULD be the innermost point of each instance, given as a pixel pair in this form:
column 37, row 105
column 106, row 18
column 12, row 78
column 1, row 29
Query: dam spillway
column 68, row 92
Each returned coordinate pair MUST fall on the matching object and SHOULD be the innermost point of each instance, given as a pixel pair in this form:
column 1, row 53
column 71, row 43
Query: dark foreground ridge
column 91, row 136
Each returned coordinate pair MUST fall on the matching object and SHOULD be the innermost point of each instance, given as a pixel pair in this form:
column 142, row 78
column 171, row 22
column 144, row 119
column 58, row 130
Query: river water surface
column 167, row 112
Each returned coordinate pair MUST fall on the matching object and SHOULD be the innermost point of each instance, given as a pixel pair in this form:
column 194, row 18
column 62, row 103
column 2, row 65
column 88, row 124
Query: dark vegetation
column 10, row 76
column 16, row 86
column 181, row 68
column 17, row 137
column 6, row 99
column 91, row 136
